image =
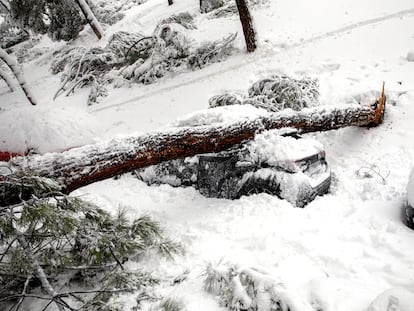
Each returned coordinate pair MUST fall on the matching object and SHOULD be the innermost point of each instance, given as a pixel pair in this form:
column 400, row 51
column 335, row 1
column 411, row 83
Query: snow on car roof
column 273, row 148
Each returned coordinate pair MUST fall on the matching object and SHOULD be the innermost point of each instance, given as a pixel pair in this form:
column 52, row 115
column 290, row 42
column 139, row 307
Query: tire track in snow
column 312, row 39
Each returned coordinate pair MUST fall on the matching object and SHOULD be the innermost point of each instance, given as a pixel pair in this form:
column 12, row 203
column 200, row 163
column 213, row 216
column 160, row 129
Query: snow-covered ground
column 340, row 252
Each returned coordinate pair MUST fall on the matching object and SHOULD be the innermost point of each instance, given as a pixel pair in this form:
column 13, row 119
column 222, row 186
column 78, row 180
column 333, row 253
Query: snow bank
column 44, row 129
column 226, row 114
column 396, row 298
column 410, row 189
column 410, row 56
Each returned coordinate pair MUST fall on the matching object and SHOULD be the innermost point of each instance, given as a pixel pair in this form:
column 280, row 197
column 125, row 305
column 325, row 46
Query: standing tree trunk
column 90, row 17
column 7, row 79
column 14, row 67
column 247, row 24
column 79, row 167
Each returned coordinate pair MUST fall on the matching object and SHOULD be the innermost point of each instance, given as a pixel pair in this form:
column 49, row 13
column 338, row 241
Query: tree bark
column 247, row 24
column 91, row 19
column 85, row 165
column 14, row 67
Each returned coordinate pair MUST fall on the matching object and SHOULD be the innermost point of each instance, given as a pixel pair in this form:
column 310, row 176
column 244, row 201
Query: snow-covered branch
column 14, row 67
column 5, row 4
column 7, row 79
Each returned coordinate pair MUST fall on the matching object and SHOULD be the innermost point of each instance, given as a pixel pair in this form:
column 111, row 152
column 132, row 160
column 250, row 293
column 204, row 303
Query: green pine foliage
column 30, row 14
column 241, row 289
column 74, row 240
column 65, row 20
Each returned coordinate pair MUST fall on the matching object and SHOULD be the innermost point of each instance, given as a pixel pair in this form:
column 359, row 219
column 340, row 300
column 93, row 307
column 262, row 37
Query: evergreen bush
column 61, row 20
column 274, row 93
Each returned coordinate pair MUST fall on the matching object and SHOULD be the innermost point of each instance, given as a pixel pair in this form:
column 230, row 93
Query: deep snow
column 343, row 250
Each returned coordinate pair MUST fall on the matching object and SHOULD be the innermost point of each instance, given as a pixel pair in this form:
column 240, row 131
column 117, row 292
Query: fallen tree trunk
column 82, row 166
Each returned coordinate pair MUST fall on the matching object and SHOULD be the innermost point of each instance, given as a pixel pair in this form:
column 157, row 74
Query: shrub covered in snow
column 275, row 93
column 226, row 99
column 136, row 57
column 29, row 50
column 396, row 298
column 184, row 19
column 106, row 12
column 211, row 52
column 131, row 46
column 207, row 6
column 81, row 66
column 111, row 11
column 223, row 8
column 240, row 289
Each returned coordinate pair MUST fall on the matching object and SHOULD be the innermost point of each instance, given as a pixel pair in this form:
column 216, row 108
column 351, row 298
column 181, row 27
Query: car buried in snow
column 278, row 162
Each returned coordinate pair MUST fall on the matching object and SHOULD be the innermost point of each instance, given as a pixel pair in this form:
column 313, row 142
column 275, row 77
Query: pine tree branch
column 40, row 273
column 7, row 249
column 116, row 259
column 26, row 284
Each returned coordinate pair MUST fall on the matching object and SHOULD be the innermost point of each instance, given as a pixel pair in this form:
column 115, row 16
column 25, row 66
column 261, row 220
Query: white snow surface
column 45, row 128
column 410, row 189
column 273, row 148
column 225, row 114
column 396, row 298
column 341, row 251
column 410, row 56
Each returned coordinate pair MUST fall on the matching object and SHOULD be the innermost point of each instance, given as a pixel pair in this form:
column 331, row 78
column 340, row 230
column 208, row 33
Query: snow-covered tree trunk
column 90, row 17
column 247, row 24
column 7, row 79
column 14, row 67
column 82, row 166
column 5, row 4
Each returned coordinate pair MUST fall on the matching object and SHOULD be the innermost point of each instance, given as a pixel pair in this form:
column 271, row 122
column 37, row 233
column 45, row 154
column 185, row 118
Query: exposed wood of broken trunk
column 82, row 166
